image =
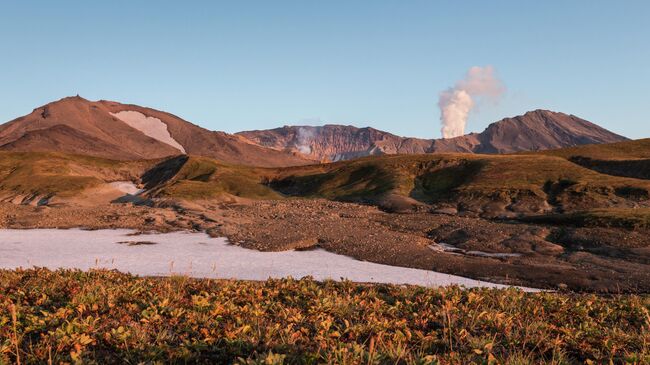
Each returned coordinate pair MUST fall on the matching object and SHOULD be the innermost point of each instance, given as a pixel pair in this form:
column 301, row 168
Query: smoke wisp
column 455, row 103
column 303, row 139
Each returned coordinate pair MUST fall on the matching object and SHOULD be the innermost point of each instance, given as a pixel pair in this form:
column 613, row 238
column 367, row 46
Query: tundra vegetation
column 70, row 316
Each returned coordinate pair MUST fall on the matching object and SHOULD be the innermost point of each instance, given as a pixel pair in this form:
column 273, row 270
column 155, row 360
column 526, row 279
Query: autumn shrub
column 71, row 316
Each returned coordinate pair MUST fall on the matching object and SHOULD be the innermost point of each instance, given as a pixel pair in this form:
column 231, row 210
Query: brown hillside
column 79, row 126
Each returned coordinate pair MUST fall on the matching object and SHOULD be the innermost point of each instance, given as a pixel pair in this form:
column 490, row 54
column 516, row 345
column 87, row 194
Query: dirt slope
column 66, row 139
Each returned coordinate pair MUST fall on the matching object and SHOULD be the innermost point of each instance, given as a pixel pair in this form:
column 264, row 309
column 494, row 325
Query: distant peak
column 541, row 112
column 75, row 98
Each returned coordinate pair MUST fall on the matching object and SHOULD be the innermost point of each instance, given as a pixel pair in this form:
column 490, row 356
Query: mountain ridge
column 110, row 129
column 535, row 130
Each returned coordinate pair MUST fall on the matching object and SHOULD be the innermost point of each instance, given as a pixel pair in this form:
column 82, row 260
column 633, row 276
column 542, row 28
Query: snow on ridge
column 150, row 126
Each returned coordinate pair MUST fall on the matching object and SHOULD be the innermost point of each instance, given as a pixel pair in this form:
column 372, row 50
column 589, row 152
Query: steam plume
column 304, row 137
column 457, row 102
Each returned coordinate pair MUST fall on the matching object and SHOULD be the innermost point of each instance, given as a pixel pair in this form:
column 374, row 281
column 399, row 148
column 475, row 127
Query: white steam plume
column 303, row 139
column 457, row 102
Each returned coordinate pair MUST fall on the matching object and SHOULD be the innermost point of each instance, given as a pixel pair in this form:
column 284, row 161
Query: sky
column 241, row 65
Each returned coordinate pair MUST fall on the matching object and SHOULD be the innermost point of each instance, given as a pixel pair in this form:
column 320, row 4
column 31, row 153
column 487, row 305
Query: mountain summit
column 536, row 130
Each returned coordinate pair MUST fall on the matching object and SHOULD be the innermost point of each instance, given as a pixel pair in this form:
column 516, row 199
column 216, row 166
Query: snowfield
column 197, row 255
column 152, row 127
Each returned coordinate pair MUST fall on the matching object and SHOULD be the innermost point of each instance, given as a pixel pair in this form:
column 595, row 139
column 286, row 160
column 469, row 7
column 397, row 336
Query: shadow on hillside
column 163, row 171
column 357, row 183
column 437, row 182
column 638, row 169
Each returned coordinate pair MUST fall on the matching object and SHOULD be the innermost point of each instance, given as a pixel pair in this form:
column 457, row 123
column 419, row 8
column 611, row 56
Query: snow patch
column 127, row 187
column 444, row 247
column 198, row 255
column 150, row 126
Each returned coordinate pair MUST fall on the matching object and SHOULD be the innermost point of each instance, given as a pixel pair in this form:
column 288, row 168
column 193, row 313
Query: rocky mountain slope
column 128, row 132
column 336, row 142
column 533, row 131
column 541, row 130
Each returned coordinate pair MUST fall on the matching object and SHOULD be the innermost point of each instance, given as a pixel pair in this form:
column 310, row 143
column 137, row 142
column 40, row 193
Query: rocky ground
column 582, row 259
column 535, row 255
column 96, row 217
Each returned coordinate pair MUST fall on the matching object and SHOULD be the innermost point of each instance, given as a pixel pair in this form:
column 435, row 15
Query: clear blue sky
column 241, row 65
